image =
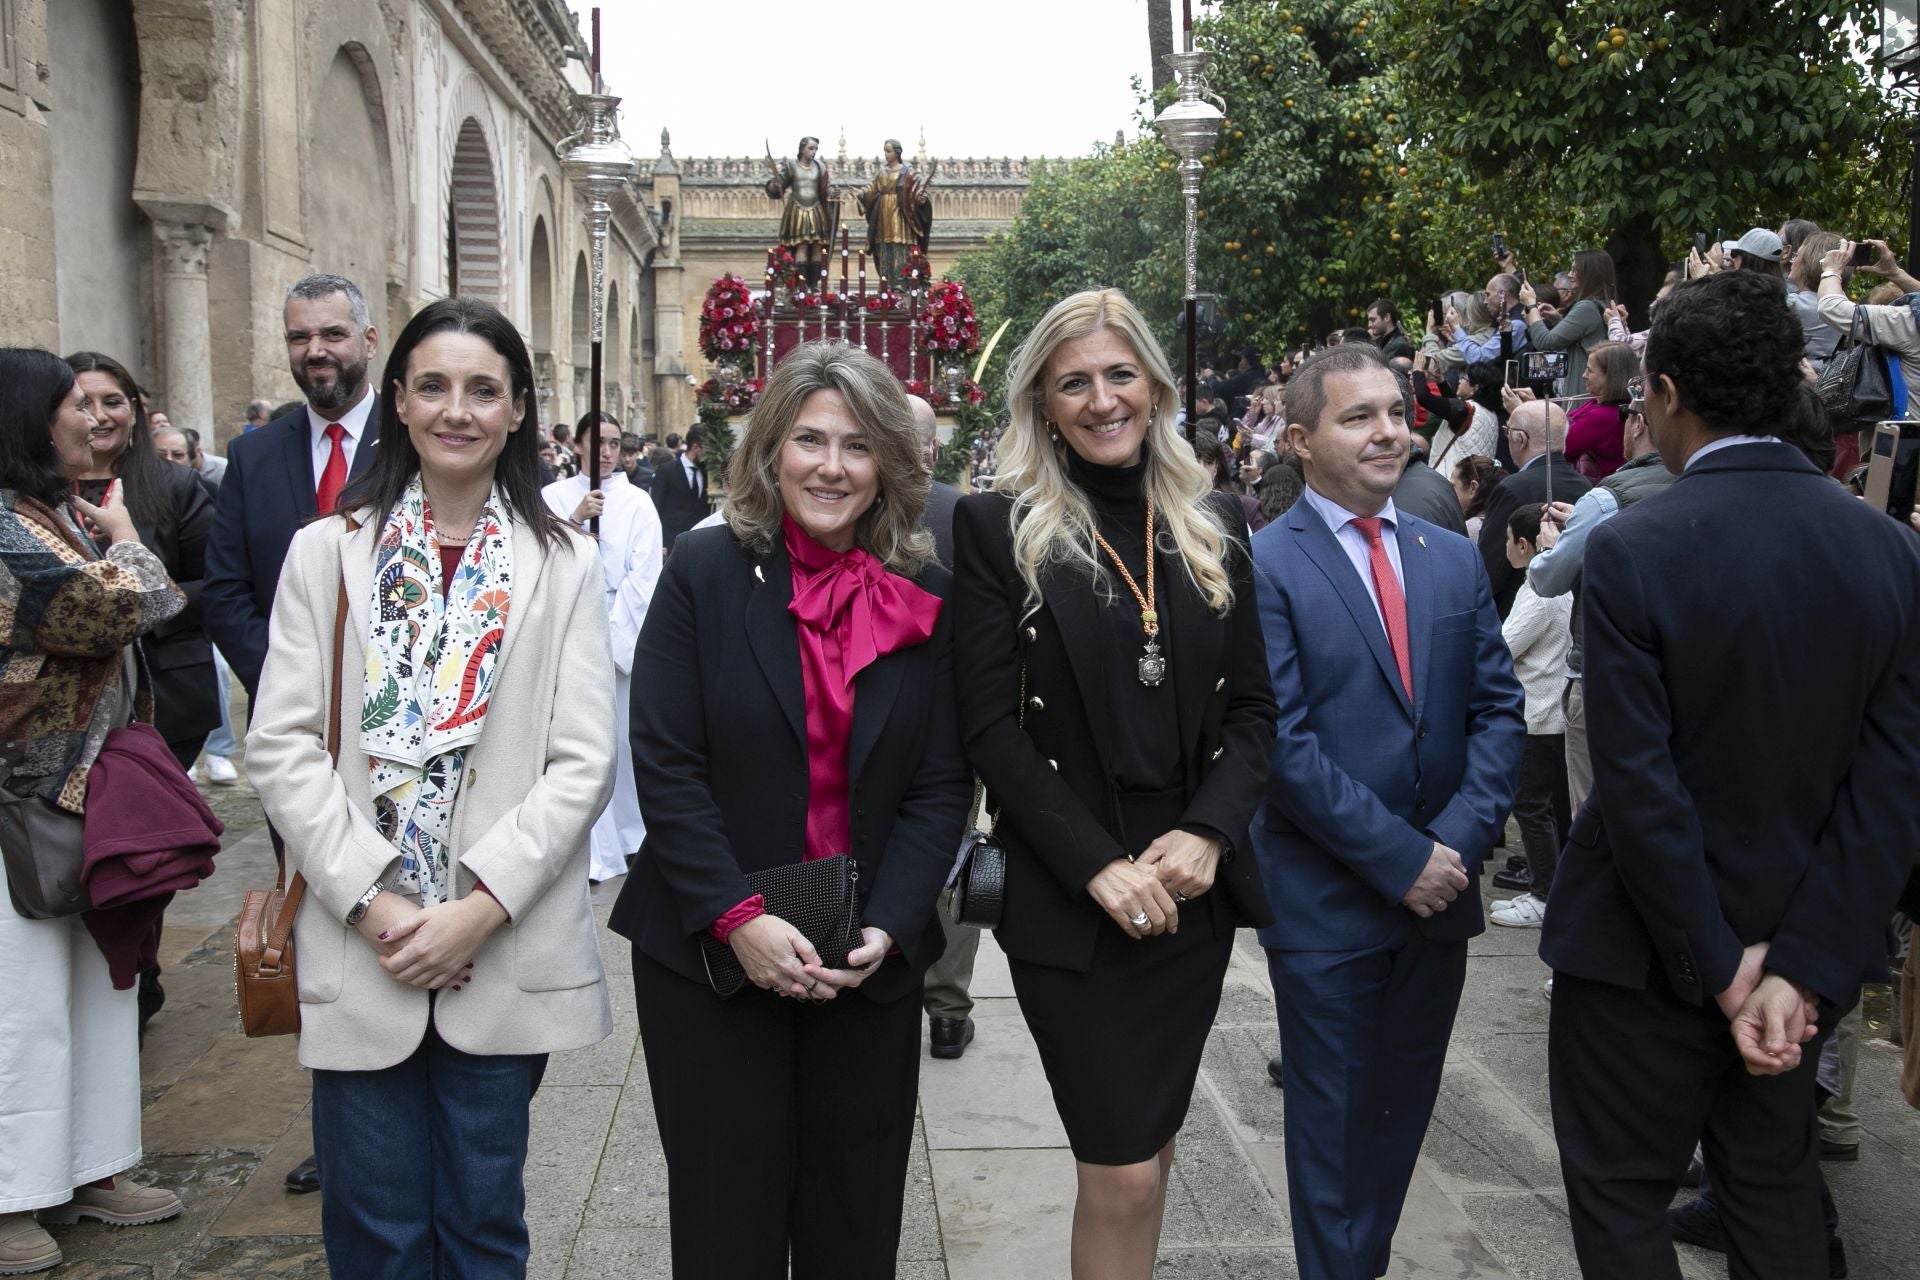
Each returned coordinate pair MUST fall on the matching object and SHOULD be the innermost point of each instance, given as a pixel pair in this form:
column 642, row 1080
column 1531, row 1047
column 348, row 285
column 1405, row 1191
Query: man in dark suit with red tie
column 283, row 475
column 292, row 469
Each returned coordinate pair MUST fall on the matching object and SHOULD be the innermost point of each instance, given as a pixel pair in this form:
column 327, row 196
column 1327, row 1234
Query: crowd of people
column 1289, row 666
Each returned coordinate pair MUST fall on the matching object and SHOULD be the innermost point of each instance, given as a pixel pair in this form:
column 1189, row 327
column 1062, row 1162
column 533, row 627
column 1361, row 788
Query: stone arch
column 613, row 367
column 474, row 264
column 540, row 314
column 350, row 216
column 582, row 350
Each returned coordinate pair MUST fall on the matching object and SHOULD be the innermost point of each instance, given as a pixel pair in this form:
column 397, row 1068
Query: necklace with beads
column 1153, row 663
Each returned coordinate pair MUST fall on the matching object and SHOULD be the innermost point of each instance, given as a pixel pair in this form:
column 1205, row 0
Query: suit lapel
column 771, row 634
column 369, row 437
column 1070, row 598
column 1325, row 551
column 297, row 452
column 1196, row 644
column 1416, row 584
column 875, row 690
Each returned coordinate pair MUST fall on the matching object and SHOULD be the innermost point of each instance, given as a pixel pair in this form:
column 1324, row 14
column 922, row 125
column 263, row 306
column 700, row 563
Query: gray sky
column 984, row 77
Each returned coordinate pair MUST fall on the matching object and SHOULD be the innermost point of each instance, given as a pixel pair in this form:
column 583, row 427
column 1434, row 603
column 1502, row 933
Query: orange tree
column 1639, row 123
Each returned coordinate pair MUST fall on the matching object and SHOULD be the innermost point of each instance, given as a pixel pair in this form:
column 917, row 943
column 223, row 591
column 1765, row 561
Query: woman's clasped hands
column 1143, row 895
column 778, row 958
column 431, row 947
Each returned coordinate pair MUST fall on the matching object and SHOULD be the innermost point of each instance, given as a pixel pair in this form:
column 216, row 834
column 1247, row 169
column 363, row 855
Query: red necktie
column 1393, row 605
column 334, row 478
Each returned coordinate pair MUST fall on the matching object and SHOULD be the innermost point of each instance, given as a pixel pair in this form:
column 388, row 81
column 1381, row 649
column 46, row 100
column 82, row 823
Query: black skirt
column 1121, row 1043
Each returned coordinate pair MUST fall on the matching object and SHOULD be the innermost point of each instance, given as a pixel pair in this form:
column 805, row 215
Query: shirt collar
column 354, row 419
column 1338, row 517
column 1726, row 442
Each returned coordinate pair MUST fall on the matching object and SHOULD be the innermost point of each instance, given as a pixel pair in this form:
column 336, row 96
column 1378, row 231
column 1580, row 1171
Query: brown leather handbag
column 263, row 976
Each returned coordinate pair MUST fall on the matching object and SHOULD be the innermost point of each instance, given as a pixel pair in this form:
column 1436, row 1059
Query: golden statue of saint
column 898, row 211
column 807, row 218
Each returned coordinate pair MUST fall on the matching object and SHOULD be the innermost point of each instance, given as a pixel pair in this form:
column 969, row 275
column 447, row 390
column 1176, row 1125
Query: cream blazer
column 540, row 772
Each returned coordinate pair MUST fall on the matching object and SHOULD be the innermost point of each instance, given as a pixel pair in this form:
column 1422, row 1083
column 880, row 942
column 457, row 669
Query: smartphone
column 1893, row 466
column 1700, row 243
column 1500, row 249
column 1543, row 366
column 1513, row 371
column 1865, row 253
column 1440, row 309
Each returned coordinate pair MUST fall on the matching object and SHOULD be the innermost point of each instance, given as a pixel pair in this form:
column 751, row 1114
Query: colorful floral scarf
column 429, row 675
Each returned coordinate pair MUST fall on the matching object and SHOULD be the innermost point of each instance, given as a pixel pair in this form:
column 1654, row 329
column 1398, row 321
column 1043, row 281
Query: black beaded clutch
column 819, row 898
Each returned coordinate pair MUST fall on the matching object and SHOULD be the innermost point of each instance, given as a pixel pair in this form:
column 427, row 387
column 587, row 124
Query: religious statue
column 808, row 218
column 899, row 213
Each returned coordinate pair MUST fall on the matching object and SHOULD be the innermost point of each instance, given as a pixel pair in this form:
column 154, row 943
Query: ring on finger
column 1178, row 896
column 1138, row 920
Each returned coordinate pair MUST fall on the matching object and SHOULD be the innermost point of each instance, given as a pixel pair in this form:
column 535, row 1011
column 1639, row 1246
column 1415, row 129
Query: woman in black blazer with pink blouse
column 800, row 704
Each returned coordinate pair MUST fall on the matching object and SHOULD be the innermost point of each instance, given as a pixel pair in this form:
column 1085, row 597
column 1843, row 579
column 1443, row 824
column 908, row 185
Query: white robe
column 630, row 550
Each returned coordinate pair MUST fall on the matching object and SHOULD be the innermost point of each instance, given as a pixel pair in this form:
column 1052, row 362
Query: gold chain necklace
column 1153, row 664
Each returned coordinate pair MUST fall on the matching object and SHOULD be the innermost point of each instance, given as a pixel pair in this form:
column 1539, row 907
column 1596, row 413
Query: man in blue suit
column 275, row 475
column 1399, row 742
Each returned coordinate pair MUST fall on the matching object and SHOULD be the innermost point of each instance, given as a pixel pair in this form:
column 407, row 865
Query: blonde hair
column 890, row 529
column 1053, row 523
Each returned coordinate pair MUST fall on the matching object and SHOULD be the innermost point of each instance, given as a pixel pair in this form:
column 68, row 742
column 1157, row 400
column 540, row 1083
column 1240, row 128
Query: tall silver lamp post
column 599, row 164
column 1189, row 126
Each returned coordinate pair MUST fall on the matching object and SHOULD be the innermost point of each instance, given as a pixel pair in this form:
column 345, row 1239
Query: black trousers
column 1540, row 806
column 786, row 1127
column 1637, row 1077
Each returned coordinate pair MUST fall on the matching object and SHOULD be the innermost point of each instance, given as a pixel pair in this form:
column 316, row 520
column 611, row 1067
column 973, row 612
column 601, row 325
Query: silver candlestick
column 1189, row 126
column 599, row 164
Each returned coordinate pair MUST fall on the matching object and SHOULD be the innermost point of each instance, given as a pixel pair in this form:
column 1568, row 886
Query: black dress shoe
column 1516, row 862
column 1843, row 1151
column 1521, row 880
column 950, row 1036
column 1274, row 1073
column 304, row 1177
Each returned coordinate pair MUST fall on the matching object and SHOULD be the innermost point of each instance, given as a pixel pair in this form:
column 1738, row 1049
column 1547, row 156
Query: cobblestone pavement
column 990, row 1188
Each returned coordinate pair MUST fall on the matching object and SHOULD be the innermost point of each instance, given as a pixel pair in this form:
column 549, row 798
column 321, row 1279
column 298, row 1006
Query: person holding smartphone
column 1892, row 328
column 1583, row 323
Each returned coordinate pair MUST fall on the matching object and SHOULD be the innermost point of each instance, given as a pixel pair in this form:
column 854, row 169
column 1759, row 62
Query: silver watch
column 359, row 910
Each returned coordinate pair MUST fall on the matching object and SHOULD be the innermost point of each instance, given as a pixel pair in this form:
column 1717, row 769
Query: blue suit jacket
column 1364, row 780
column 267, row 495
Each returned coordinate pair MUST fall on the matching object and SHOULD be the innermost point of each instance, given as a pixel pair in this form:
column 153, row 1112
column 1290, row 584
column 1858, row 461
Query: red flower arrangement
column 916, row 272
column 729, row 319
column 885, row 300
column 737, row 398
column 948, row 321
column 936, row 395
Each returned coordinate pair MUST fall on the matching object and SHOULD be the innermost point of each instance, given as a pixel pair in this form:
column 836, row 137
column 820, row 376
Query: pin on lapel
column 759, row 576
column 1420, row 538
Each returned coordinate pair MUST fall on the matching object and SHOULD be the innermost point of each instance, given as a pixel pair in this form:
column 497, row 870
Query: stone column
column 185, row 321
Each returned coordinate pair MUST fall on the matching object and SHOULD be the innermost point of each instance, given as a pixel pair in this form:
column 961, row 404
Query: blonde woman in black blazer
column 786, row 1110
column 1125, row 795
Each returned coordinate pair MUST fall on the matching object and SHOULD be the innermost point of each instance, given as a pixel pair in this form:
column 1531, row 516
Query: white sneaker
column 1523, row 912
column 219, row 769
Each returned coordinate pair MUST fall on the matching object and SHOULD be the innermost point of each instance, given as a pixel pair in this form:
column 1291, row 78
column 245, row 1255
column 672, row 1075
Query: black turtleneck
column 1147, row 755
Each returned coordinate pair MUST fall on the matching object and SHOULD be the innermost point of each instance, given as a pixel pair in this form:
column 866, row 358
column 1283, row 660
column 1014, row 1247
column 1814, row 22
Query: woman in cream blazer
column 446, row 944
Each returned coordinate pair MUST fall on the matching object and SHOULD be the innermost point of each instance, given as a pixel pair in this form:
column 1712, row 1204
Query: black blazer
column 1426, row 493
column 1520, row 488
column 720, row 760
column 679, row 506
column 1753, row 704
column 1050, row 782
column 268, row 493
column 941, row 499
column 179, row 658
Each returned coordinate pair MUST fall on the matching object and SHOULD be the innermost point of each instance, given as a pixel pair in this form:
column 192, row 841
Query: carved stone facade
column 168, row 167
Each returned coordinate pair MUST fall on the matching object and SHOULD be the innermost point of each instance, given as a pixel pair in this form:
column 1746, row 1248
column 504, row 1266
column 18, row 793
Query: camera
column 1893, row 466
column 1543, row 366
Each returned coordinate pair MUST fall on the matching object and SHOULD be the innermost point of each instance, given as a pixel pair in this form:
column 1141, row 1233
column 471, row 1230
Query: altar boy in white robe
column 630, row 552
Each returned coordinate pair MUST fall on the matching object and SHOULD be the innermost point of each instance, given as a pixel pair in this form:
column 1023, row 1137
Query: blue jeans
column 221, row 742
column 425, row 1164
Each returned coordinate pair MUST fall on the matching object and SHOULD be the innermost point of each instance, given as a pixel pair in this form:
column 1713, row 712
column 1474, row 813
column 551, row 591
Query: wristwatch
column 359, row 910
